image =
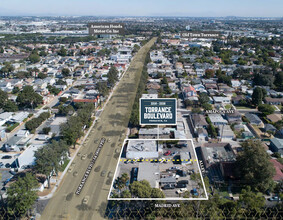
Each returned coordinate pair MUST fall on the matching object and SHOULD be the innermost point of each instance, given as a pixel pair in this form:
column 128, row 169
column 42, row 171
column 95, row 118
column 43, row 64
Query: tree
column 207, row 106
column 188, row 102
column 15, row 90
column 121, row 181
column 254, row 167
column 126, row 194
column 250, row 200
column 112, row 76
column 102, row 88
column 71, row 130
column 65, row 110
column 21, row 195
column 203, row 98
column 157, row 193
column 3, row 98
column 62, row 52
column 257, row 96
column 140, row 189
column 279, row 81
column 29, row 98
column 65, row 72
column 46, row 130
column 47, row 158
column 42, row 75
column 10, row 106
column 209, row 73
column 266, row 109
column 196, row 110
column 34, row 58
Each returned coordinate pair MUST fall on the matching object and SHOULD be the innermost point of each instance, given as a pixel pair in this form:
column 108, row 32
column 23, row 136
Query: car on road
column 103, row 173
column 167, row 153
column 84, row 157
column 6, row 157
column 182, row 190
column 169, row 186
column 110, row 174
column 85, row 200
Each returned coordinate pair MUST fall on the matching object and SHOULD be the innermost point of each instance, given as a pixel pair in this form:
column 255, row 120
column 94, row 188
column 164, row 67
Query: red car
column 167, row 153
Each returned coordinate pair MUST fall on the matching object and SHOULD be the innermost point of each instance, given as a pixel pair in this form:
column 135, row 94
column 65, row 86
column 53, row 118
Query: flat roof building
column 142, row 149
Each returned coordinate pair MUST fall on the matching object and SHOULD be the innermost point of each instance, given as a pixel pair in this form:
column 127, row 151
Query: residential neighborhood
column 71, row 136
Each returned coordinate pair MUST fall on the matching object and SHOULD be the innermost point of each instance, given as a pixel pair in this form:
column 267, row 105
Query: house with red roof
column 189, row 91
column 278, row 168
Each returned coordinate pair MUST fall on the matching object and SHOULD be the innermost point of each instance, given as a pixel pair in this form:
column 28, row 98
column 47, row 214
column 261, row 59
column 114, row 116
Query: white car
column 182, row 190
column 85, row 200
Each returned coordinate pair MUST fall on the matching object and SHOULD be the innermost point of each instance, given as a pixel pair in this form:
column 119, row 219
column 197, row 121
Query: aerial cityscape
column 168, row 114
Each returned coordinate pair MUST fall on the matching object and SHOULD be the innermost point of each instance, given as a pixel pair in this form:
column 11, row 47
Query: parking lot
column 7, row 159
column 176, row 161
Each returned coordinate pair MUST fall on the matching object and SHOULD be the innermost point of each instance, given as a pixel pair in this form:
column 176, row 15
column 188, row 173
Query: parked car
column 169, row 186
column 181, row 145
column 174, row 153
column 173, row 168
column 181, row 185
column 167, row 153
column 183, row 182
column 182, row 190
column 134, row 174
column 103, row 173
column 8, row 165
column 274, row 198
column 181, row 172
column 6, row 157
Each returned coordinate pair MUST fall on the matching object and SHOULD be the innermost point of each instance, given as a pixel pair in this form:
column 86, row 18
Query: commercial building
column 142, row 149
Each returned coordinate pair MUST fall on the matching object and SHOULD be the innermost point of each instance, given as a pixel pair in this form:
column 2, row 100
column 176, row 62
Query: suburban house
column 234, row 117
column 221, row 100
column 217, row 119
column 254, row 119
column 273, row 101
column 189, row 91
column 276, row 145
column 198, row 121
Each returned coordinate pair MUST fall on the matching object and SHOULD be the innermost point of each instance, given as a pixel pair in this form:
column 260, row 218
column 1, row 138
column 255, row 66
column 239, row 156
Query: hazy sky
column 206, row 8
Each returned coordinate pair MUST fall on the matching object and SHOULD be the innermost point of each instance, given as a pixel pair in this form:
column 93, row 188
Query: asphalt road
column 112, row 125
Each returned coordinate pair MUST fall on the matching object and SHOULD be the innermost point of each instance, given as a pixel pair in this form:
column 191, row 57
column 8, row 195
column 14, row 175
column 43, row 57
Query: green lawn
column 63, row 167
column 243, row 107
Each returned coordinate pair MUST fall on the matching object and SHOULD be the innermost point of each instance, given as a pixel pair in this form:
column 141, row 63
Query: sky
column 190, row 8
